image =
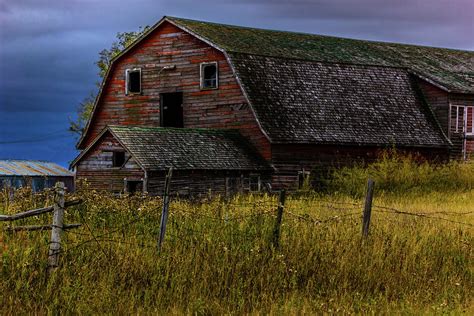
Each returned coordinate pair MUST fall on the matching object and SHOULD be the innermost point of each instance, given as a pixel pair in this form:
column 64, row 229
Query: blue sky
column 48, row 48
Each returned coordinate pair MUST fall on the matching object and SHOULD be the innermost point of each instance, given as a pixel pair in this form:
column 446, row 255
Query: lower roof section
column 158, row 148
column 298, row 101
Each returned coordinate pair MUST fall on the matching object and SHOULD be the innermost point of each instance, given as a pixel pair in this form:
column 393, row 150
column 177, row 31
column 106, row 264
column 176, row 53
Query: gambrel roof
column 306, row 88
column 299, row 101
column 451, row 69
column 158, row 148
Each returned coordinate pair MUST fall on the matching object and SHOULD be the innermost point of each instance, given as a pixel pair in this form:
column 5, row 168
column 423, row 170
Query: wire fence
column 191, row 222
column 188, row 224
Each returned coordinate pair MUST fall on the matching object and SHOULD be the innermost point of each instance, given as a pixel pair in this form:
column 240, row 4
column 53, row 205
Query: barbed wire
column 308, row 218
column 422, row 215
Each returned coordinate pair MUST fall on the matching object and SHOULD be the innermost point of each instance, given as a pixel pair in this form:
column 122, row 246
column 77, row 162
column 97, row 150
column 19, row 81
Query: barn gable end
column 170, row 46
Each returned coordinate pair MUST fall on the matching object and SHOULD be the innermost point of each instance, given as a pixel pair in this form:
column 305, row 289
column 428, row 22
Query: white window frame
column 463, row 109
column 127, row 72
column 466, row 109
column 201, row 75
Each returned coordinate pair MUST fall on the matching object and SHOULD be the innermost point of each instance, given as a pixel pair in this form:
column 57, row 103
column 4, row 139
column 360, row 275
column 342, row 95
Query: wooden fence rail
column 38, row 211
column 57, row 227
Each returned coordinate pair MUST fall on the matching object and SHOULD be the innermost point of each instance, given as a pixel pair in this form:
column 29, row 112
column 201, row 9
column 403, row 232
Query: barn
column 242, row 109
column 38, row 175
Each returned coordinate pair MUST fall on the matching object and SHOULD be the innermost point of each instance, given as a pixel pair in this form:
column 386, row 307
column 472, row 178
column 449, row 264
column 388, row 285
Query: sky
column 48, row 48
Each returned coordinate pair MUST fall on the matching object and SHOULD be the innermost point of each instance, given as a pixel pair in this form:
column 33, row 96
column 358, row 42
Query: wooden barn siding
column 197, row 182
column 96, row 167
column 456, row 138
column 289, row 159
column 224, row 107
column 438, row 99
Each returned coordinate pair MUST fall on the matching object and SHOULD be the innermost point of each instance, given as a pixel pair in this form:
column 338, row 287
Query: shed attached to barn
column 36, row 174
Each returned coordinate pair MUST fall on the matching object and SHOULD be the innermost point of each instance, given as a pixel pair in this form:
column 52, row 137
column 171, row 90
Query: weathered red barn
column 235, row 108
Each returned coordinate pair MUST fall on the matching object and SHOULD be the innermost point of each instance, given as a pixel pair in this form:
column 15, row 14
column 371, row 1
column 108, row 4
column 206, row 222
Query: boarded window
column 209, row 76
column 118, row 158
column 133, row 81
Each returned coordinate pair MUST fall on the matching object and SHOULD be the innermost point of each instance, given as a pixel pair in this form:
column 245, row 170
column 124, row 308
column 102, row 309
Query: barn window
column 254, row 183
column 462, row 119
column 209, row 75
column 303, row 178
column 133, row 186
column 118, row 158
column 133, row 81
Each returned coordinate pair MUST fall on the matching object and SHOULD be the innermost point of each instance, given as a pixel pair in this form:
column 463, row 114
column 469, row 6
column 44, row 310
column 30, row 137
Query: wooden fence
column 56, row 227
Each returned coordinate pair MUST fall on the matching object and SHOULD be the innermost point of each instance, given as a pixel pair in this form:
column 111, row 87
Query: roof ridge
column 177, row 19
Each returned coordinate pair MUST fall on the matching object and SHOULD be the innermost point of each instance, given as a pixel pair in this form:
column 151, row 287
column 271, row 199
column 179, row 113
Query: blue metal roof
column 32, row 168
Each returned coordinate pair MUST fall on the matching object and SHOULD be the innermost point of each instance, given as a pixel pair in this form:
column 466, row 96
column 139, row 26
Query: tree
column 84, row 110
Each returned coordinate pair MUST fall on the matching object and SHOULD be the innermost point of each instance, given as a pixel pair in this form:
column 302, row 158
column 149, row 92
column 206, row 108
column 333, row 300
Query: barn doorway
column 133, row 186
column 171, row 109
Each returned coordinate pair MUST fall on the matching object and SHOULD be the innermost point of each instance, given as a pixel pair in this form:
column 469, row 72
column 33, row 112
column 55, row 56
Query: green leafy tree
column 84, row 110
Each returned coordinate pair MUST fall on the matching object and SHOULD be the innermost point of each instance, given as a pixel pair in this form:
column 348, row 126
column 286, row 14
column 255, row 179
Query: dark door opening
column 171, row 111
column 134, row 186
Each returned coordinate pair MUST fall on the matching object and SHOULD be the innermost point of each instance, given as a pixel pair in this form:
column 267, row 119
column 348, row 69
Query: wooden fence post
column 367, row 208
column 57, row 228
column 164, row 213
column 277, row 228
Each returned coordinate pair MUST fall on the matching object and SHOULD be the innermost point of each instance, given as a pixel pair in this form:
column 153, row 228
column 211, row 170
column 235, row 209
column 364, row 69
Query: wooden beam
column 26, row 214
column 38, row 211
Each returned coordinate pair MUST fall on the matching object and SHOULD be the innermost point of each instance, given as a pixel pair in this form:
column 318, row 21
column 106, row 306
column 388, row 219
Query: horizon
column 43, row 40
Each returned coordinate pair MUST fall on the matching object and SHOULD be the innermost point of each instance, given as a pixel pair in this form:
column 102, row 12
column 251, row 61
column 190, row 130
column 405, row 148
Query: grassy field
column 217, row 256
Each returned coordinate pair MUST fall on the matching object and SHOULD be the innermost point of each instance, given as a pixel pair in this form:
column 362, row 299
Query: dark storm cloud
column 48, row 47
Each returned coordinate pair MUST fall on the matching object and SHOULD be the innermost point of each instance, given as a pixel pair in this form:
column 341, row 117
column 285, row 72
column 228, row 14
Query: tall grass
column 217, row 257
column 403, row 174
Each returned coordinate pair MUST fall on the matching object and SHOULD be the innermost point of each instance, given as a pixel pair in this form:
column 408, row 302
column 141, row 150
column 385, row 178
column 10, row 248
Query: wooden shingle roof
column 452, row 69
column 309, row 88
column 299, row 101
column 158, row 148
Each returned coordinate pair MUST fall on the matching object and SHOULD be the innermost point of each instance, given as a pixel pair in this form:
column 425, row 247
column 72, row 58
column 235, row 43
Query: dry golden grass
column 217, row 257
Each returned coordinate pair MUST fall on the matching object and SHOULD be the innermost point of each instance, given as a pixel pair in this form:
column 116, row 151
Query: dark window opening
column 254, row 183
column 209, row 76
column 134, row 81
column 134, row 186
column 118, row 158
column 171, row 113
column 303, row 179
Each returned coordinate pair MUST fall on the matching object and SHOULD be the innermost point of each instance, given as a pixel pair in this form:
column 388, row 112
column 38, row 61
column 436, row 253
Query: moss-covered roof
column 449, row 68
column 158, row 148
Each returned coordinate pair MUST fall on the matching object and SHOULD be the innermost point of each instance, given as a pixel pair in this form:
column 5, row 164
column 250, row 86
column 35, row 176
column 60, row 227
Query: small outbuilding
column 36, row 174
column 136, row 159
